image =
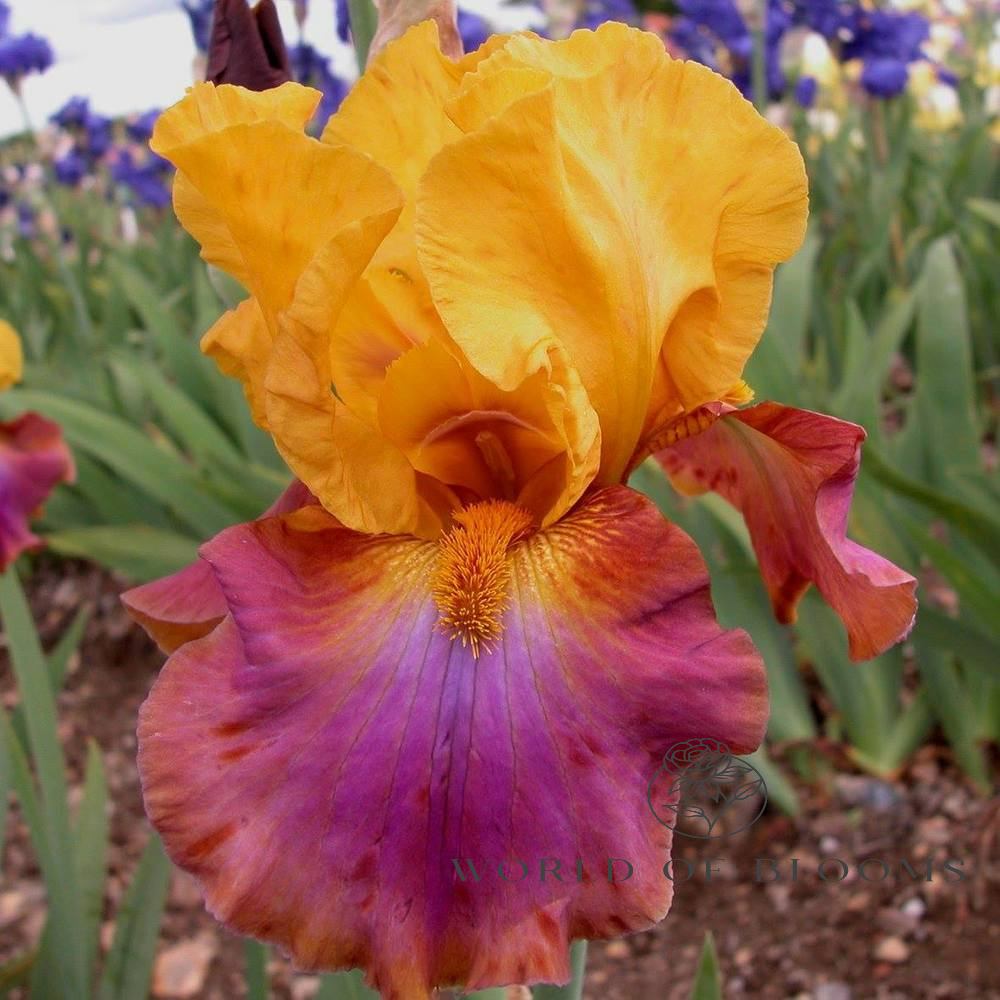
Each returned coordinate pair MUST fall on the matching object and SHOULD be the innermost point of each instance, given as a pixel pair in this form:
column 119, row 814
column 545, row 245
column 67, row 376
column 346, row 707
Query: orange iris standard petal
column 791, row 473
column 278, row 210
column 630, row 208
column 320, row 758
column 537, row 445
column 396, row 114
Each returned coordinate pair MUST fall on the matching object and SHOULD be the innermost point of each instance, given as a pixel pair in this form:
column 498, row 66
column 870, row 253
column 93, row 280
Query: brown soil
column 776, row 939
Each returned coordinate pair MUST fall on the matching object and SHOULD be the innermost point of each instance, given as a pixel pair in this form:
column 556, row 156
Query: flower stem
column 22, row 105
column 364, row 21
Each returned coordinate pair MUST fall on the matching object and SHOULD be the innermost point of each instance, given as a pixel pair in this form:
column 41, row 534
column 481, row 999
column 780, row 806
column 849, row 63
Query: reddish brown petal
column 791, row 473
column 320, row 758
column 189, row 604
column 34, row 458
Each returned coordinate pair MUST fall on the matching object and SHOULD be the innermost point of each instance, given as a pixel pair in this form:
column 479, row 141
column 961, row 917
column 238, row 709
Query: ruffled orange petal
column 355, row 473
column 282, row 198
column 538, row 445
column 631, row 209
column 240, row 344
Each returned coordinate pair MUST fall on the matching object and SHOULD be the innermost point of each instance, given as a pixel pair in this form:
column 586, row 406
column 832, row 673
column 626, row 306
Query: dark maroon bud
column 246, row 47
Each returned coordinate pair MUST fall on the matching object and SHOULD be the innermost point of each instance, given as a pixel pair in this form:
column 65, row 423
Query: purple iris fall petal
column 341, row 750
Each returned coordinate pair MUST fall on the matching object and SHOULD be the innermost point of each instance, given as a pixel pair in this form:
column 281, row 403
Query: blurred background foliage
column 887, row 317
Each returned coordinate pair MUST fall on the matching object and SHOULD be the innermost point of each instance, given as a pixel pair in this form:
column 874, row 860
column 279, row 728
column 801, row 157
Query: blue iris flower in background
column 141, row 129
column 147, row 182
column 826, row 17
column 199, row 13
column 24, row 54
column 721, row 19
column 21, row 54
column 73, row 114
column 595, row 12
column 805, row 91
column 473, row 29
column 93, row 132
column 71, row 168
column 886, row 42
column 312, row 68
column 343, row 20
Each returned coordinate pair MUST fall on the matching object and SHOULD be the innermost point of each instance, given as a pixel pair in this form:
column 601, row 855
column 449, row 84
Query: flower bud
column 247, row 48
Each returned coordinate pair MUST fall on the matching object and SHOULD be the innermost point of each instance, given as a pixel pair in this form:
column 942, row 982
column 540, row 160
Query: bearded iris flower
column 492, row 288
column 34, row 459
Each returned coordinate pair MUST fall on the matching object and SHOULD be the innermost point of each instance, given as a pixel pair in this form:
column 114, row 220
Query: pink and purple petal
column 791, row 473
column 320, row 759
column 34, row 459
column 188, row 604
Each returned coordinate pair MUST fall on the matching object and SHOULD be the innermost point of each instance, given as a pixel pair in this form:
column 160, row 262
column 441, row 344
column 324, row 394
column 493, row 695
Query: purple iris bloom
column 24, row 54
column 596, row 12
column 721, row 19
column 805, row 91
column 199, row 13
column 473, row 29
column 695, row 40
column 71, row 168
column 884, row 76
column 886, row 42
column 826, row 17
column 142, row 128
column 97, row 130
column 343, row 20
column 311, row 67
column 146, row 182
column 705, row 25
column 73, row 114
